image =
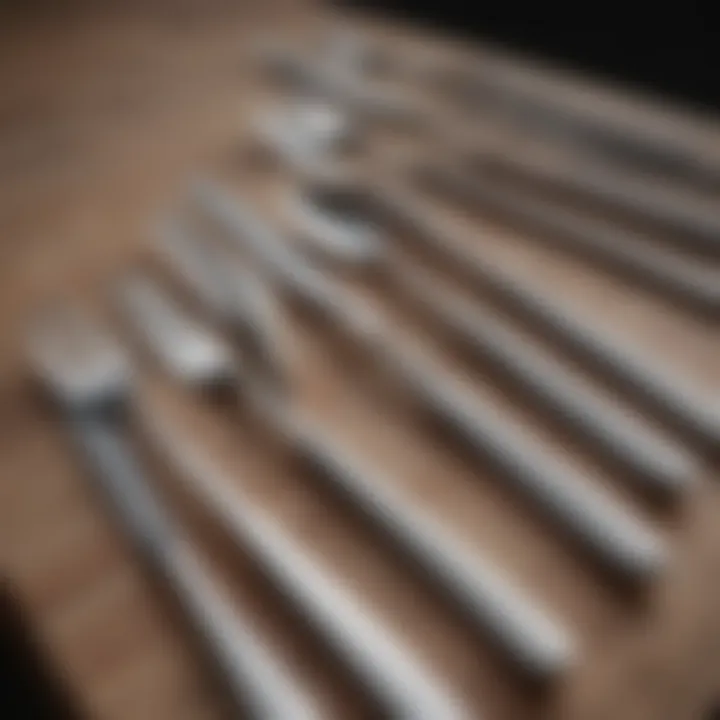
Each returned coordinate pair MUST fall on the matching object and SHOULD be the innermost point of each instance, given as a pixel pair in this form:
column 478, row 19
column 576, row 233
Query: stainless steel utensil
column 537, row 643
column 637, row 374
column 621, row 251
column 87, row 372
column 628, row 145
column 654, row 460
column 313, row 78
column 383, row 665
column 696, row 222
column 617, row 538
column 309, row 136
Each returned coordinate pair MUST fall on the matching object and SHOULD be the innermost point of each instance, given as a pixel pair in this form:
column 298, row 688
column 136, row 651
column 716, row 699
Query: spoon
column 86, row 371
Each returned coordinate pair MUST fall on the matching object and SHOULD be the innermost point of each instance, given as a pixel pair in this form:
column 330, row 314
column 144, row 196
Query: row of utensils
column 90, row 374
column 233, row 338
column 338, row 210
column 389, row 195
column 662, row 259
column 347, row 63
column 91, row 377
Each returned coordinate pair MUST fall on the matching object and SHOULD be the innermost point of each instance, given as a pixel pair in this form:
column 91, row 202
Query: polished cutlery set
column 227, row 275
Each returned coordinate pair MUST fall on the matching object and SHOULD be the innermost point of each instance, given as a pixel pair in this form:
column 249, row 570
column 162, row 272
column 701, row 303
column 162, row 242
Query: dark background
column 667, row 49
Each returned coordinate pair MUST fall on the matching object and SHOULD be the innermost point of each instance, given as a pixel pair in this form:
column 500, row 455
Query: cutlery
column 619, row 250
column 386, row 669
column 617, row 538
column 655, row 461
column 630, row 370
column 629, row 146
column 86, row 371
column 696, row 222
column 539, row 645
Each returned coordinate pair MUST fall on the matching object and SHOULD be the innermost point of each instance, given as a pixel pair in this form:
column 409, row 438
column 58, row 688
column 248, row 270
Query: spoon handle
column 255, row 680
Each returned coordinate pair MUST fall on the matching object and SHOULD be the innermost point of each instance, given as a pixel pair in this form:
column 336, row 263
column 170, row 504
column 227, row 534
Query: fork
column 87, row 373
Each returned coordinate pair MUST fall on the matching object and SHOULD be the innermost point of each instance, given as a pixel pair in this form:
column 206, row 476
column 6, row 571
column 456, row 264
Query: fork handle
column 256, row 682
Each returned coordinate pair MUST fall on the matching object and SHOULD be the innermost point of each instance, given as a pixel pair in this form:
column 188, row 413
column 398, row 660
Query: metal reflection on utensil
column 86, row 370
column 389, row 672
column 539, row 645
column 331, row 221
column 617, row 538
column 635, row 373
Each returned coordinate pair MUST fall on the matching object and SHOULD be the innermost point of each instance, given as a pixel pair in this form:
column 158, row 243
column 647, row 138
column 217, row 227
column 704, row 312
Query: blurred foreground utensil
column 309, row 135
column 695, row 221
column 318, row 79
column 88, row 373
column 628, row 145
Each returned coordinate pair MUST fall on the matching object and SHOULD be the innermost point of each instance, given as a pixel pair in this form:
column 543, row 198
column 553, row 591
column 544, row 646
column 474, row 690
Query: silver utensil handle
column 615, row 536
column 536, row 642
column 635, row 373
column 255, row 680
column 697, row 222
column 618, row 250
column 624, row 145
column 659, row 463
column 389, row 672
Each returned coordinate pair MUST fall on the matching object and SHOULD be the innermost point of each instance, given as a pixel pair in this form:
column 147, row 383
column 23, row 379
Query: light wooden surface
column 102, row 120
